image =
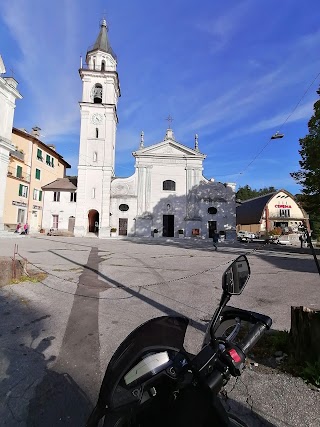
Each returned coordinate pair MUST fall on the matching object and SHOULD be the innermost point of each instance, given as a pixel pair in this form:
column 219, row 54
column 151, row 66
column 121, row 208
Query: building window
column 123, row 208
column 97, row 94
column 103, row 66
column 56, row 196
column 21, row 216
column 73, row 197
column 19, row 171
column 169, row 185
column 284, row 213
column 39, row 154
column 23, row 190
column 95, row 156
column 37, row 195
column 38, row 172
column 93, row 193
column 97, row 133
column 49, row 160
column 212, row 210
column 55, row 221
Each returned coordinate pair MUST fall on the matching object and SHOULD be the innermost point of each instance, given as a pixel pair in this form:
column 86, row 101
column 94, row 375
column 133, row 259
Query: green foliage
column 309, row 174
column 311, row 373
column 246, row 192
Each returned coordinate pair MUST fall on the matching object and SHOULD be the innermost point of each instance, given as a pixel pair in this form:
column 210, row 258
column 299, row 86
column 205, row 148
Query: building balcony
column 17, row 154
column 14, row 173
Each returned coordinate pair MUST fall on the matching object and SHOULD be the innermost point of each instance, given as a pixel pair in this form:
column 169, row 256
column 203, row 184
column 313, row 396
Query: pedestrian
column 18, row 228
column 96, row 227
column 215, row 240
column 26, row 228
column 301, row 240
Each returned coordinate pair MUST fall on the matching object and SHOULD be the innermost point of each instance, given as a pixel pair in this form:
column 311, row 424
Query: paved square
column 57, row 336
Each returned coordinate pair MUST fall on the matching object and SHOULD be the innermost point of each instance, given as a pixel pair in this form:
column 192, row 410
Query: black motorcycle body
column 152, row 381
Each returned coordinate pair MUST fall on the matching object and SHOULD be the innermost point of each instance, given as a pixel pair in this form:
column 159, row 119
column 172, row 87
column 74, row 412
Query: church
column 167, row 196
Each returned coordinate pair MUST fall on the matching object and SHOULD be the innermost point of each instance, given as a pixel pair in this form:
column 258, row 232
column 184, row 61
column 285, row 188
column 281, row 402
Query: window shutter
column 40, row 196
column 19, row 171
column 48, row 159
column 20, row 190
column 39, row 153
column 52, row 163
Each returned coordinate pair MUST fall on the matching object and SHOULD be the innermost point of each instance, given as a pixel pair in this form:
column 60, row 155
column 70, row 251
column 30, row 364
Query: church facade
column 166, row 196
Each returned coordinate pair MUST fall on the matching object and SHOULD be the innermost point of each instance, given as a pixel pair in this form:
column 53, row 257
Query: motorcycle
column 152, row 380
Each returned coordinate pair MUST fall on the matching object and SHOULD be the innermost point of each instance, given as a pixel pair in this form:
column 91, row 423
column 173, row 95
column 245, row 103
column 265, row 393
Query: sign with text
column 22, row 204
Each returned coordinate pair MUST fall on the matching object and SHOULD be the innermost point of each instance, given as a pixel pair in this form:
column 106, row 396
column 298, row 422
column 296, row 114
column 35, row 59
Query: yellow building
column 32, row 165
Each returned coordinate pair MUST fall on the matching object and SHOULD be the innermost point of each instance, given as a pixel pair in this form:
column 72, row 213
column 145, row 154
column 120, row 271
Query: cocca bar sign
column 283, row 206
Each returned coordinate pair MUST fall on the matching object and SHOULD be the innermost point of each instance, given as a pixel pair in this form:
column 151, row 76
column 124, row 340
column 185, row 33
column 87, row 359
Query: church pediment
column 168, row 149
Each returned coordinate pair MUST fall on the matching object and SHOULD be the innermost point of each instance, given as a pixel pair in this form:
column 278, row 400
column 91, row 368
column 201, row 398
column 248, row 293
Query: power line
column 281, row 126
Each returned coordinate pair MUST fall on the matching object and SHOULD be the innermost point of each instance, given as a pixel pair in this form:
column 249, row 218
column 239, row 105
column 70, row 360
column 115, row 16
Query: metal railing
column 17, row 154
column 14, row 173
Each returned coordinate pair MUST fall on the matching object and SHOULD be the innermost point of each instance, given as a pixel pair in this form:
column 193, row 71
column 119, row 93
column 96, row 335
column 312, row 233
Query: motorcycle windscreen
column 144, row 352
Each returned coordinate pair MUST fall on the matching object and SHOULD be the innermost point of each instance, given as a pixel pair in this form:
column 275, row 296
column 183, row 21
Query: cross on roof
column 169, row 120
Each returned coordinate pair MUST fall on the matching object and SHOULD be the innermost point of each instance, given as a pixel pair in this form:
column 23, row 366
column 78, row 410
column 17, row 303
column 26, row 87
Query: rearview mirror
column 236, row 276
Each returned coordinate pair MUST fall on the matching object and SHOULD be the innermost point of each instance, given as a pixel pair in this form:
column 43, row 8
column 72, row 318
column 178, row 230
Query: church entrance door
column 123, row 226
column 168, row 226
column 212, row 227
column 93, row 221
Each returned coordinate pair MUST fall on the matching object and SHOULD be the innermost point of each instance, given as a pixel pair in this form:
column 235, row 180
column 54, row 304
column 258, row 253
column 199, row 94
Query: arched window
column 97, row 94
column 169, row 185
column 97, row 133
column 103, row 66
column 212, row 210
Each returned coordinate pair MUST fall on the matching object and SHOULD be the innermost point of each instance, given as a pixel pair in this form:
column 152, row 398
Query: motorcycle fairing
column 164, row 333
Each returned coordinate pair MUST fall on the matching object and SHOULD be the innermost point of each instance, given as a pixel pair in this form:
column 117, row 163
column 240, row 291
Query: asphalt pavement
column 57, row 336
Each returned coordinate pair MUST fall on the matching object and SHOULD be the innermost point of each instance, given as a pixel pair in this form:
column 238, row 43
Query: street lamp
column 277, row 135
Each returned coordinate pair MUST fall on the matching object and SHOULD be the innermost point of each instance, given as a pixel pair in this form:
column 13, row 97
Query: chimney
column 36, row 132
column 53, row 147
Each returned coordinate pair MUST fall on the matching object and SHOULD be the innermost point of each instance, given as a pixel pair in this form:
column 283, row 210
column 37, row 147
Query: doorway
column 34, row 220
column 93, row 221
column 71, row 224
column 123, row 226
column 212, row 225
column 168, row 226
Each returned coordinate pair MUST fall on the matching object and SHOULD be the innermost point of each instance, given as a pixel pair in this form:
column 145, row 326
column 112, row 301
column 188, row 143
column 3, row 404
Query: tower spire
column 102, row 42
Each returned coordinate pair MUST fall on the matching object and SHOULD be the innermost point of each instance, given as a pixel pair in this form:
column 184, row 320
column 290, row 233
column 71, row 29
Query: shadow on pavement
column 31, row 393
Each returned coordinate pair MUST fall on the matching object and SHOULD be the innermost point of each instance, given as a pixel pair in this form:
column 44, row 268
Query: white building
column 166, row 193
column 59, row 204
column 8, row 96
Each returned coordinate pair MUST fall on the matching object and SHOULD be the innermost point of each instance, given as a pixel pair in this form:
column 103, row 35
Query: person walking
column 215, row 240
column 18, row 228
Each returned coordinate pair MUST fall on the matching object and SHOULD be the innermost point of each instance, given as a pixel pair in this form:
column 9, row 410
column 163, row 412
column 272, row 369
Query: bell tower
column 98, row 110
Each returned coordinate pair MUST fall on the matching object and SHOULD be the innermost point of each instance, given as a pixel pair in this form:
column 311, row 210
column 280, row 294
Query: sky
column 234, row 72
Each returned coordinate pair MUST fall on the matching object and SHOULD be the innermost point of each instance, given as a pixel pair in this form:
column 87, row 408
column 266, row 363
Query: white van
column 245, row 235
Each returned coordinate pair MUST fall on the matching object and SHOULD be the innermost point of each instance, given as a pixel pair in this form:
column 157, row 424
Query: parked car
column 243, row 235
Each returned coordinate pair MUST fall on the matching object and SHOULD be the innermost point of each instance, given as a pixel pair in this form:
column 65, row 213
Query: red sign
column 283, row 206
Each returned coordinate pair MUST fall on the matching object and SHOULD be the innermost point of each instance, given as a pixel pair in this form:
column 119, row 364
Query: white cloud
column 45, row 39
column 222, row 28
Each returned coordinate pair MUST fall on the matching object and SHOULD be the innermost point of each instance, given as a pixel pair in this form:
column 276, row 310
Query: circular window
column 212, row 210
column 123, row 208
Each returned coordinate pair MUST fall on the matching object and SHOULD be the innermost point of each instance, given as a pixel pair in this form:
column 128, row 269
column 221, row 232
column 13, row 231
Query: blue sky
column 230, row 71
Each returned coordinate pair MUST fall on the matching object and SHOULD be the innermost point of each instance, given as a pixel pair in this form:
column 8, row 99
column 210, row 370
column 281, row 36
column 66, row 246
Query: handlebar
column 253, row 336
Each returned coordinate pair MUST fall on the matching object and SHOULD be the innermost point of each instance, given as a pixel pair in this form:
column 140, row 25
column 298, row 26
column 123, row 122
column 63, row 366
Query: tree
column 309, row 174
column 246, row 192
